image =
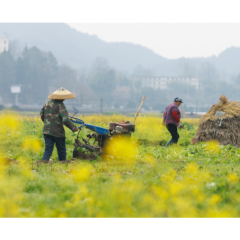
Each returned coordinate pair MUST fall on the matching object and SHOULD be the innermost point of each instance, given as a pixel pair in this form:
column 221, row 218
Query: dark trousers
column 49, row 144
column 173, row 130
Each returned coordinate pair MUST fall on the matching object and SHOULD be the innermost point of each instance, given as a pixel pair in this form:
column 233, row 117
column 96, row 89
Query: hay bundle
column 228, row 132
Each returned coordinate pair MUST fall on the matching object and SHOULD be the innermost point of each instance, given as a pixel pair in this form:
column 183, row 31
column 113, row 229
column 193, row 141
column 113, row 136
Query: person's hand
column 75, row 129
column 180, row 125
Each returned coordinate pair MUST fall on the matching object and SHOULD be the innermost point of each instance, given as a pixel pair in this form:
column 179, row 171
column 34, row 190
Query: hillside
column 79, row 50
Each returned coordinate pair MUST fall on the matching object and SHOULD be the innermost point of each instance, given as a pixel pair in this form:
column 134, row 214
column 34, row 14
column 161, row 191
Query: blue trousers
column 49, row 144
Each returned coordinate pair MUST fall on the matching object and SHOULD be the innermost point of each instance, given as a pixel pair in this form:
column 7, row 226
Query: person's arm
column 66, row 121
column 176, row 118
column 42, row 114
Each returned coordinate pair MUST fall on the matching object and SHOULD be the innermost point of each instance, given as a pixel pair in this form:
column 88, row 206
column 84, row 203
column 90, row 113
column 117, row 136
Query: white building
column 3, row 45
column 162, row 82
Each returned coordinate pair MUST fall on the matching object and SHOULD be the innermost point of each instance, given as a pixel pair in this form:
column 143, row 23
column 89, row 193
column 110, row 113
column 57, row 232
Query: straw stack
column 229, row 130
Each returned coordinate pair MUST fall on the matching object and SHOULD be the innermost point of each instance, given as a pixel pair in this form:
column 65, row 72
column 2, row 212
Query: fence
column 83, row 104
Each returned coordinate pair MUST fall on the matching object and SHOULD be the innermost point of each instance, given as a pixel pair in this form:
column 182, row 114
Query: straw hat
column 61, row 93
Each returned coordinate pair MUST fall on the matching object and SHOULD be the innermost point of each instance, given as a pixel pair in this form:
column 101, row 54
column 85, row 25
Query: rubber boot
column 169, row 143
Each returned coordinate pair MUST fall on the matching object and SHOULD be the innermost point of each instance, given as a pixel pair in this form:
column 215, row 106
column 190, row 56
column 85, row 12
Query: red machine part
column 127, row 127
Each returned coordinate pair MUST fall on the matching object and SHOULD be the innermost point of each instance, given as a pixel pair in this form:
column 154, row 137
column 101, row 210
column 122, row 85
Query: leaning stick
column 138, row 110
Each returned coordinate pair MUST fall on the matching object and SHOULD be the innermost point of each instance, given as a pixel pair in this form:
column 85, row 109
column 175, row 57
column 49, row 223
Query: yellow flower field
column 135, row 177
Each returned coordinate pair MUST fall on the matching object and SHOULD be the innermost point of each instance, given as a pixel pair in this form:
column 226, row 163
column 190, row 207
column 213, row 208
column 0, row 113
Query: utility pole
column 16, row 99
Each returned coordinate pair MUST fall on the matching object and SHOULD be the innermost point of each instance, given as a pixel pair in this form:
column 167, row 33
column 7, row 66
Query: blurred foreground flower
column 192, row 168
column 25, row 167
column 31, row 144
column 11, row 190
column 170, row 176
column 233, row 178
column 82, row 172
column 213, row 147
column 215, row 198
column 149, row 160
column 2, row 165
column 9, row 123
column 121, row 149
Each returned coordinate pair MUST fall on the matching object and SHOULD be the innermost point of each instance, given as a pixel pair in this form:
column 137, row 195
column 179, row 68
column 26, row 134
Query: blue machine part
column 76, row 120
column 94, row 128
column 97, row 129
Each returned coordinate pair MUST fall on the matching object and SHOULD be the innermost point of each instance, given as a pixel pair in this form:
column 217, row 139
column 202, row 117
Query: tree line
column 39, row 74
column 35, row 71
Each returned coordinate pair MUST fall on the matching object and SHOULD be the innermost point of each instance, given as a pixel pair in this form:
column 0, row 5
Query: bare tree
column 15, row 48
column 208, row 74
column 187, row 69
column 139, row 71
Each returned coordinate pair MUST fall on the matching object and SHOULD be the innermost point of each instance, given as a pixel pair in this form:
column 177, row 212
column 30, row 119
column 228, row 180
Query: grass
column 137, row 178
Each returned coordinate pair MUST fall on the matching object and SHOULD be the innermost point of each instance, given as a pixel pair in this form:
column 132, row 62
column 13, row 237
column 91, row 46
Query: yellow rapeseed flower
column 149, row 160
column 82, row 172
column 204, row 176
column 176, row 188
column 215, row 198
column 160, row 192
column 213, row 147
column 9, row 123
column 170, row 176
column 225, row 212
column 31, row 143
column 232, row 178
column 2, row 165
column 63, row 215
column 121, row 149
column 25, row 167
column 192, row 168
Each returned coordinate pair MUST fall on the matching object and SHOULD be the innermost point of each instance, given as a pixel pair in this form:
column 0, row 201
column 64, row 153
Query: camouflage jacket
column 54, row 115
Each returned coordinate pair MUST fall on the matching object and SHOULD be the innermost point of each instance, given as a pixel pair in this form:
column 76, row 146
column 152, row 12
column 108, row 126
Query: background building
column 162, row 82
column 3, row 45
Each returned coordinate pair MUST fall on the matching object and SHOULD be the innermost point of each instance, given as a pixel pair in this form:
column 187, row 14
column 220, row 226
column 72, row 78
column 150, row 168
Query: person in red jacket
column 171, row 119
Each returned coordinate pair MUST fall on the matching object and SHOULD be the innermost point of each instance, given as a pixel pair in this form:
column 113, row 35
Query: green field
column 136, row 178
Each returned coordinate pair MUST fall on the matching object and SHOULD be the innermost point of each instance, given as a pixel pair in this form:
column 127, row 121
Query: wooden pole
column 138, row 110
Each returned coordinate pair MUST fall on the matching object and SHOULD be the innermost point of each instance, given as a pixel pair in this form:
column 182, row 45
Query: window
column 5, row 42
column 4, row 49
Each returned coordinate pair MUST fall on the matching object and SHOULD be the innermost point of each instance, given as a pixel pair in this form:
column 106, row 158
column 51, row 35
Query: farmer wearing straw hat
column 54, row 115
column 171, row 119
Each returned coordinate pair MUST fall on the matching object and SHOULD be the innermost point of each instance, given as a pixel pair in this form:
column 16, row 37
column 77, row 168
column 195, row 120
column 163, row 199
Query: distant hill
column 79, row 50
column 229, row 60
